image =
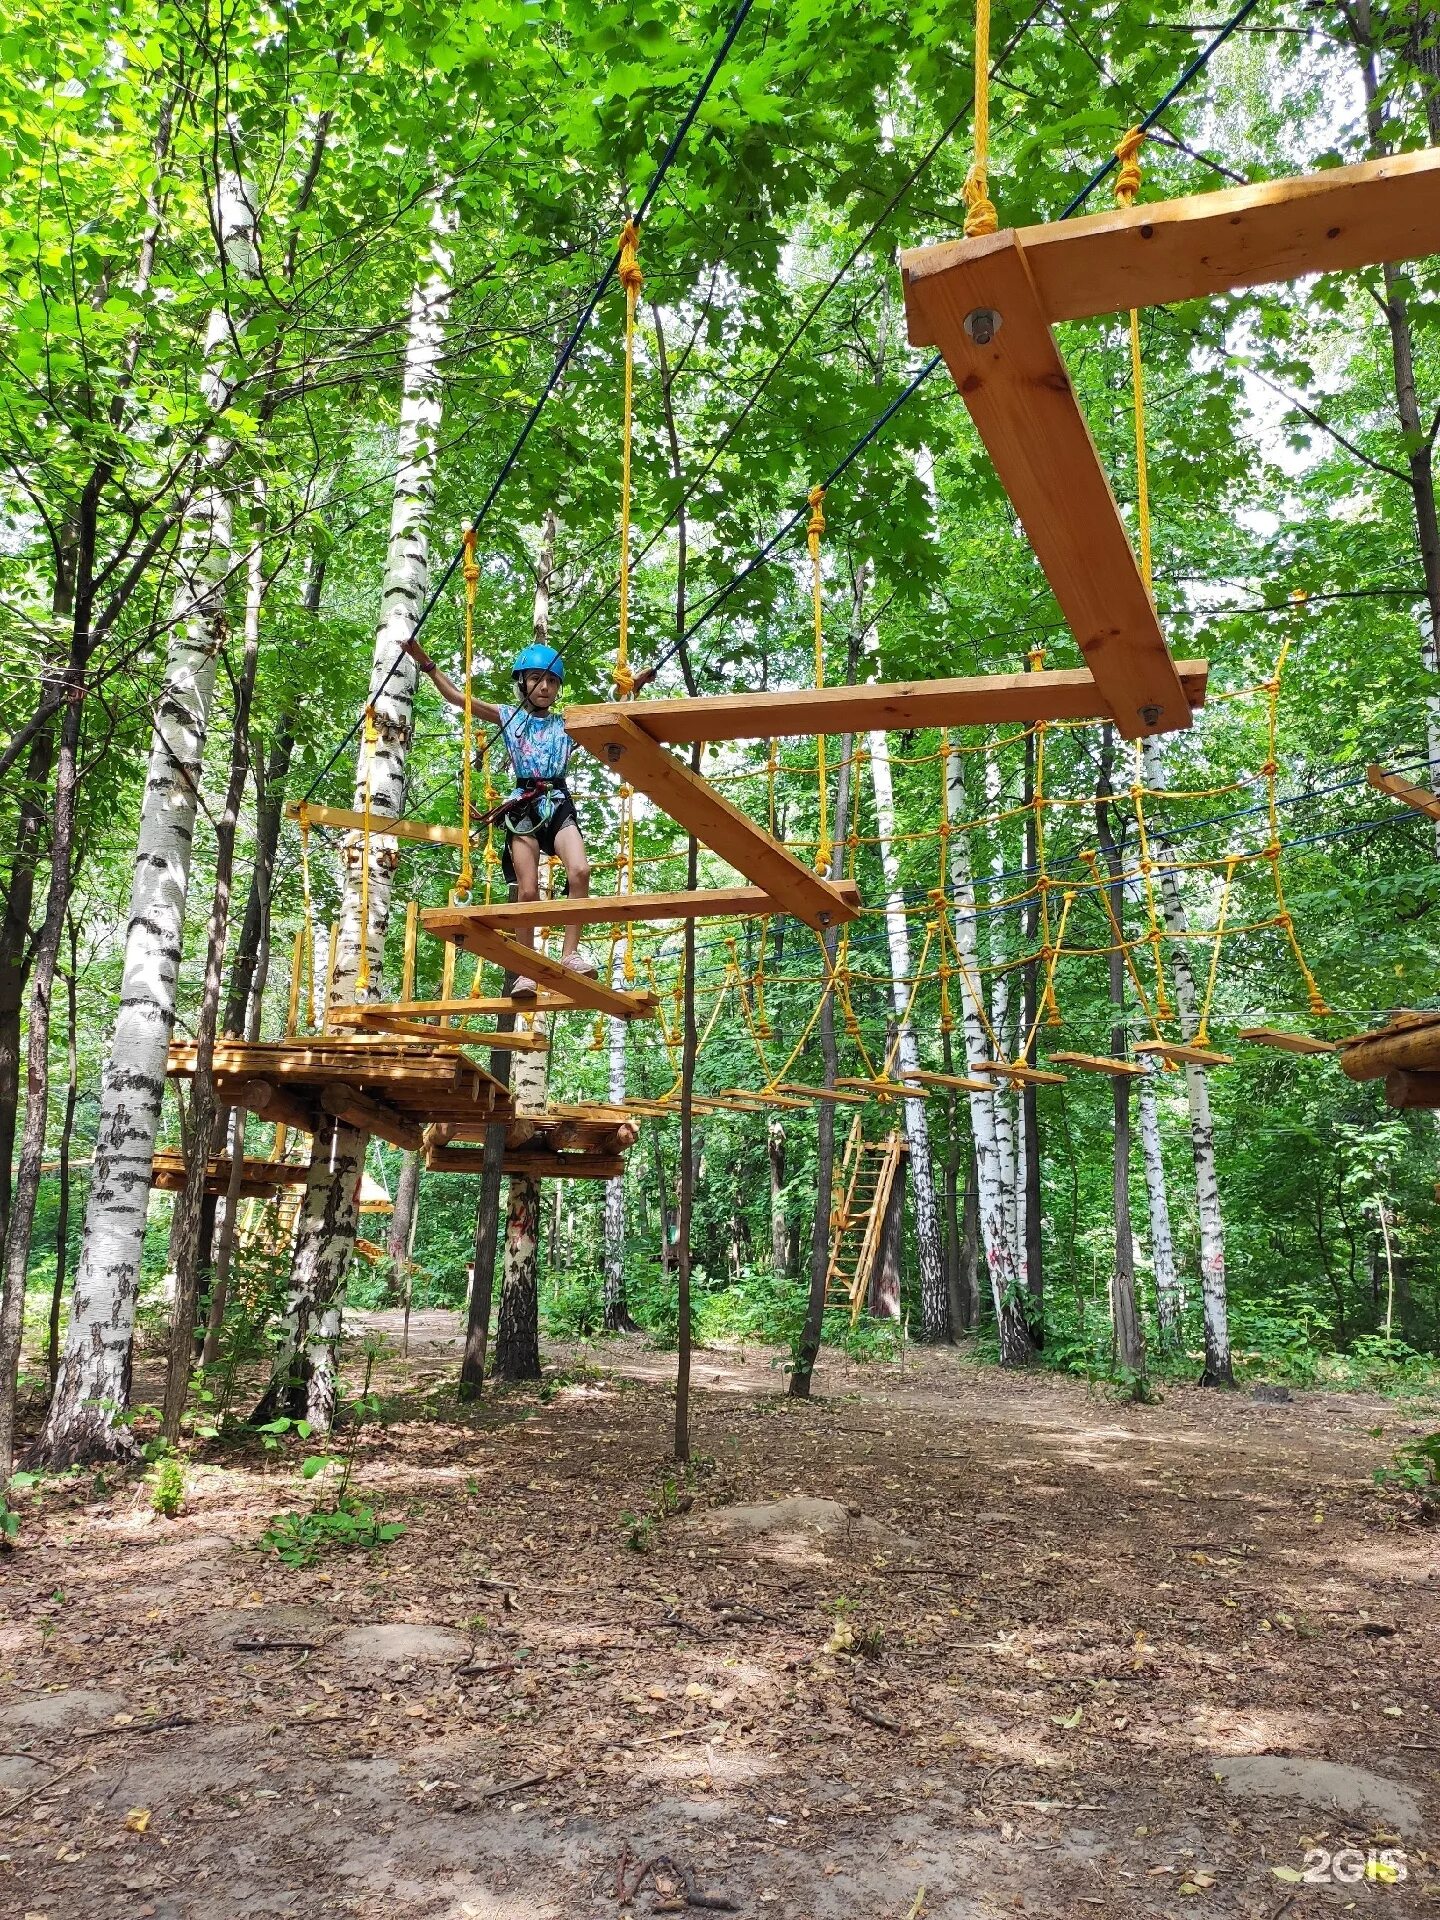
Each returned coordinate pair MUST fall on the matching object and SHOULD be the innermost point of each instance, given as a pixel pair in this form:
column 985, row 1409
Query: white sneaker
column 582, row 964
column 523, row 989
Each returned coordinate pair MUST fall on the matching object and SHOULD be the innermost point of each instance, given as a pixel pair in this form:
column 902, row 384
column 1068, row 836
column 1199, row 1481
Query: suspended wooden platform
column 1285, row 1041
column 259, row 1179
column 1017, row 1070
column 1399, row 788
column 882, row 1089
column 415, row 1020
column 834, row 1095
column 1181, row 1054
column 989, row 305
column 468, row 927
column 710, row 903
column 428, row 832
column 956, row 1080
column 563, row 1129
column 392, row 1089
column 1408, row 1043
column 1098, row 1063
column 533, row 1164
column 999, row 699
column 617, row 738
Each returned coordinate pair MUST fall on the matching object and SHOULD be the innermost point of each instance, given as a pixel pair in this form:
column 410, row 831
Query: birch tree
column 329, row 1211
column 1218, row 1369
column 94, row 1379
column 1169, row 1298
column 993, row 1163
column 934, row 1295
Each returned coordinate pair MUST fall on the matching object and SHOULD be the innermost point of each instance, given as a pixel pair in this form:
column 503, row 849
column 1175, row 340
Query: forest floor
column 995, row 1638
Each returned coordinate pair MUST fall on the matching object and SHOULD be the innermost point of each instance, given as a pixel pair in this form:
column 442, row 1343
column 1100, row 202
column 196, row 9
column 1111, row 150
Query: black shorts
column 520, row 823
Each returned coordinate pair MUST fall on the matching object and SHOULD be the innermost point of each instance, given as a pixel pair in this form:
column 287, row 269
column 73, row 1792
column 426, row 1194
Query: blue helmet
column 538, row 659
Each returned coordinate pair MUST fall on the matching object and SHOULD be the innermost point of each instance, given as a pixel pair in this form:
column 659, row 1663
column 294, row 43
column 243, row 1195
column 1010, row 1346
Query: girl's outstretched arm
column 446, row 688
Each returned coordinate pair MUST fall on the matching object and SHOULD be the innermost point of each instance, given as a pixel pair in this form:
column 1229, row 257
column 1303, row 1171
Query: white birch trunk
column 934, row 1295
column 329, row 1212
column 1169, row 1298
column 998, row 1224
column 1218, row 1369
column 1009, row 1134
column 93, row 1386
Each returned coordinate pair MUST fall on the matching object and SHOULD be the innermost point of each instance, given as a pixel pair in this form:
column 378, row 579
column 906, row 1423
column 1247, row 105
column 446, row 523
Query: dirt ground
column 945, row 1643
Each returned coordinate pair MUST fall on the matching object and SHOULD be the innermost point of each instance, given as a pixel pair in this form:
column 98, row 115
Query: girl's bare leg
column 570, row 850
column 525, row 858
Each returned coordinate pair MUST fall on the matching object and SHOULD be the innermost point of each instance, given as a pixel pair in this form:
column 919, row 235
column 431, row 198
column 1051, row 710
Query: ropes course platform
column 259, row 1179
column 381, row 825
column 615, row 909
column 392, row 1089
column 989, row 305
column 1098, row 1063
column 470, row 928
column 1399, row 788
column 420, row 1020
column 1284, row 1041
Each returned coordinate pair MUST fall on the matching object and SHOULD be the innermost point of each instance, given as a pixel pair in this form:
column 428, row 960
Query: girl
column 539, row 813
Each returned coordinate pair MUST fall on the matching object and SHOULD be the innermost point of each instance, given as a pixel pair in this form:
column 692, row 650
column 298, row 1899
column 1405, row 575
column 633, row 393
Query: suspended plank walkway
column 989, row 305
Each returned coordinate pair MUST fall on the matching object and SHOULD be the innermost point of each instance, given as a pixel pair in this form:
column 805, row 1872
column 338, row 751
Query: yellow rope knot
column 816, row 524
column 1036, row 659
column 631, row 278
column 1127, row 183
column 470, row 566
column 624, row 680
column 980, row 214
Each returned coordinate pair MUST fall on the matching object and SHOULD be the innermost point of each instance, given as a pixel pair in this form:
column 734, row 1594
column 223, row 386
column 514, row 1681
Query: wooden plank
column 895, row 1089
column 1015, row 1070
column 534, row 1166
column 709, row 903
column 451, row 923
column 1287, row 1042
column 1399, row 788
column 927, row 1079
column 762, row 1097
column 380, row 1019
column 1099, row 1063
column 1000, row 699
column 1012, row 379
column 1185, row 1056
column 626, row 748
column 258, row 1177
column 429, row 832
column 477, row 1005
column 363, row 1110
column 837, row 1095
column 1406, row 1090
column 1166, row 250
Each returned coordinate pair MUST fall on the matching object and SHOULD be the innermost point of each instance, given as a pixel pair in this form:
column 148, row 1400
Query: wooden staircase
column 861, row 1197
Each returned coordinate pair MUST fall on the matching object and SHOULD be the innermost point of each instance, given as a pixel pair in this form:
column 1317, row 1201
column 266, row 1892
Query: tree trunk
column 67, row 1133
column 1124, row 1313
column 993, row 1162
column 884, row 1293
column 487, row 1227
column 934, row 1299
column 1219, row 1371
column 779, row 1227
column 1031, row 1202
column 189, row 1241
column 970, row 1247
column 15, row 942
column 1169, row 1300
column 517, row 1338
column 689, row 1048
column 317, row 1283
column 616, row 1309
column 400, row 1237
column 93, row 1387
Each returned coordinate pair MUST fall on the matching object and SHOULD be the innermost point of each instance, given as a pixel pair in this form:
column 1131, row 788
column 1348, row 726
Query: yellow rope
column 980, row 214
column 1127, row 185
column 1202, row 1026
column 632, row 279
column 1314, row 996
column 308, row 925
column 1122, row 945
column 1153, row 936
column 362, row 971
column 471, row 571
column 824, row 850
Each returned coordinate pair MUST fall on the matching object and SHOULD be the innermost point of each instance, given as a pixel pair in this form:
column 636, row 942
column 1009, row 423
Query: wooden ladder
column 858, row 1207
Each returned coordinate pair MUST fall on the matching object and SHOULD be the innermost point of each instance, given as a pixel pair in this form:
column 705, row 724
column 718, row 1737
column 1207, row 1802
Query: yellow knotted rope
column 1201, row 1036
column 308, row 924
column 632, row 279
column 980, row 214
column 1127, row 186
column 470, row 570
column 824, row 848
column 362, row 970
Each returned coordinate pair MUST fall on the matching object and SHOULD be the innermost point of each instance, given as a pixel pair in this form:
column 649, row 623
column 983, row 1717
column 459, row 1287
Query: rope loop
column 630, row 275
column 1127, row 181
column 980, row 215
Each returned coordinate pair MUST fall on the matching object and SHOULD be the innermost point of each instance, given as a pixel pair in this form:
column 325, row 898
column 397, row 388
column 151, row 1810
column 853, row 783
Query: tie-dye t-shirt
column 539, row 749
